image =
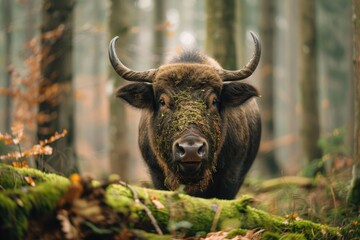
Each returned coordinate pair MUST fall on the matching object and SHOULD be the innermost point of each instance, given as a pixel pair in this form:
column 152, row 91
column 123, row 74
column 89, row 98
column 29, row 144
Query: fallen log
column 36, row 205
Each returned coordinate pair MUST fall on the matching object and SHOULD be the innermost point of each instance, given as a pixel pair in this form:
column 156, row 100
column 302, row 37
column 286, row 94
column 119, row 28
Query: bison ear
column 139, row 95
column 236, row 93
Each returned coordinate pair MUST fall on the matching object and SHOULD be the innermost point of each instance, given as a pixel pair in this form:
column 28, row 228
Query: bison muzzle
column 200, row 127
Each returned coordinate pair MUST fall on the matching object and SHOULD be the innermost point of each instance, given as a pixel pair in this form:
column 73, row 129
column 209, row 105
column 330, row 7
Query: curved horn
column 227, row 75
column 126, row 73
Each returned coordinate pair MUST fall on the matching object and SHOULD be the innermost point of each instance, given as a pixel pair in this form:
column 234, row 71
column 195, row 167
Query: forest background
column 59, row 50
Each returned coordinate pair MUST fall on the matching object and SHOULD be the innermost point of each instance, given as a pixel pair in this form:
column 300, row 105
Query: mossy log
column 115, row 211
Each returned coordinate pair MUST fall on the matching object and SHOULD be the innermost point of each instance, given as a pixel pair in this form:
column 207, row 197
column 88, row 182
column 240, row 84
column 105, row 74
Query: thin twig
column 21, row 154
column 216, row 218
column 148, row 212
column 332, row 194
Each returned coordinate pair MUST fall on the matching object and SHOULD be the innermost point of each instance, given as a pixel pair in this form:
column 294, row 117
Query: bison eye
column 162, row 102
column 215, row 101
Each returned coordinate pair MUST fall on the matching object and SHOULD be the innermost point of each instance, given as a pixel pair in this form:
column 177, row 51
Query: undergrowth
column 324, row 200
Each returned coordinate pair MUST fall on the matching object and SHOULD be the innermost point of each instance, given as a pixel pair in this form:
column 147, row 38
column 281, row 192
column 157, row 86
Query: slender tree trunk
column 354, row 194
column 240, row 23
column 7, row 18
column 159, row 35
column 31, row 23
column 220, row 32
column 57, row 107
column 267, row 33
column 120, row 24
column 310, row 124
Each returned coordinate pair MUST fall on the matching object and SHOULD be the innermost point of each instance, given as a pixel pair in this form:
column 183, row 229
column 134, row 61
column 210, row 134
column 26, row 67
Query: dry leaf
column 68, row 229
column 30, row 181
column 21, row 164
column 53, row 138
column 158, row 204
column 216, row 236
column 17, row 130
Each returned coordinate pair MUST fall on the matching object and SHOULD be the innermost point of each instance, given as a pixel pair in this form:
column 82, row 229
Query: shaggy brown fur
column 188, row 96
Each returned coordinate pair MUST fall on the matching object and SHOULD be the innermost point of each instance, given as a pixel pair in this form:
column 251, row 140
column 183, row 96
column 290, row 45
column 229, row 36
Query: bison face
column 187, row 123
column 188, row 105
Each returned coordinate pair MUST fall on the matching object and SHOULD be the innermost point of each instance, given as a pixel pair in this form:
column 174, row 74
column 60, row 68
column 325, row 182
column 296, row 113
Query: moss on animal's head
column 189, row 111
column 187, row 87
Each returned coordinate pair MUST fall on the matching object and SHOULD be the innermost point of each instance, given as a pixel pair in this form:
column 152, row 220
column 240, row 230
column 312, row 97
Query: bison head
column 186, row 101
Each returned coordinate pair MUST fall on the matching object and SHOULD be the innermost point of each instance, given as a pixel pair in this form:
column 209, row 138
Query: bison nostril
column 180, row 150
column 190, row 149
column 201, row 150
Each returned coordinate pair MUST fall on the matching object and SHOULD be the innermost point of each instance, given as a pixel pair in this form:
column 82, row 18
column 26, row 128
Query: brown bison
column 200, row 127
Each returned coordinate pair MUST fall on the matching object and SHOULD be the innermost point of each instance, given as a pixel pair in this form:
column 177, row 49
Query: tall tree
column 240, row 23
column 267, row 34
column 121, row 21
column 7, row 18
column 354, row 193
column 310, row 124
column 335, row 65
column 159, row 34
column 56, row 110
column 220, row 32
column 31, row 23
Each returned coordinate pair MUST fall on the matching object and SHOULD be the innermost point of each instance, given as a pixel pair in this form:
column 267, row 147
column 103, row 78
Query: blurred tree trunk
column 335, row 65
column 97, row 44
column 120, row 24
column 7, row 18
column 267, row 34
column 56, row 111
column 95, row 72
column 159, row 34
column 31, row 24
column 310, row 124
column 354, row 194
column 240, row 23
column 220, row 32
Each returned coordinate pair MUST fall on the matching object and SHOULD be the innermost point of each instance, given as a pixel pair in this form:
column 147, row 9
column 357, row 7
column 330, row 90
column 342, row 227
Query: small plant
column 335, row 154
column 22, row 157
column 27, row 91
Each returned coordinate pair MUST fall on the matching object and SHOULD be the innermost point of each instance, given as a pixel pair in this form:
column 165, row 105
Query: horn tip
column 253, row 35
column 256, row 41
column 114, row 39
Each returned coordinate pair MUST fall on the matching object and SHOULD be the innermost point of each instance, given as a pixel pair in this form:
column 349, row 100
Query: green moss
column 20, row 204
column 236, row 232
column 10, row 179
column 270, row 236
column 190, row 216
column 12, row 219
column 293, row 236
column 236, row 214
column 121, row 199
column 150, row 236
column 187, row 110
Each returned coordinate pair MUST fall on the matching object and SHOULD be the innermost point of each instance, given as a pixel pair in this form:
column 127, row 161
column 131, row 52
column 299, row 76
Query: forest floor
column 86, row 209
column 321, row 199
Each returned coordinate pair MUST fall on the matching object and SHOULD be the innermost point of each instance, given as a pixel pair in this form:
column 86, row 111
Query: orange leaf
column 22, row 164
column 75, row 178
column 30, row 181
